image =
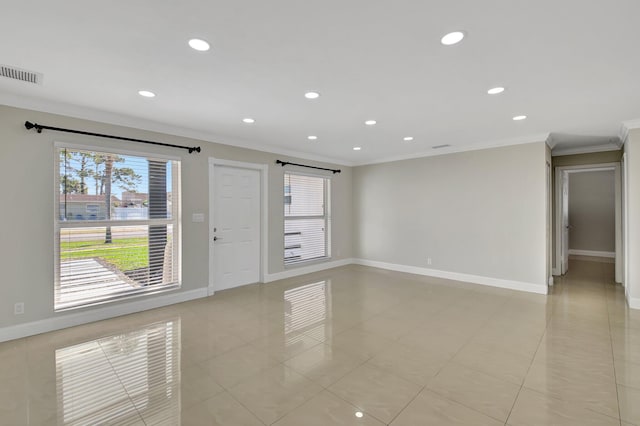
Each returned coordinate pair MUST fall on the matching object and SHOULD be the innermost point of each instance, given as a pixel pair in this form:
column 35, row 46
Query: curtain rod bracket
column 29, row 125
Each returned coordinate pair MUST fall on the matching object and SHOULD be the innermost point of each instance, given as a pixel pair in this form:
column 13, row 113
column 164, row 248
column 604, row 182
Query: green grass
column 126, row 254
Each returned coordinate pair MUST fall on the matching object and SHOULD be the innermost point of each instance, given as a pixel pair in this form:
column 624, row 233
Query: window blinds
column 305, row 217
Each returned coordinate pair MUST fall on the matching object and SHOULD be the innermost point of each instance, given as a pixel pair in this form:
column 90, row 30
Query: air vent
column 20, row 74
column 440, row 146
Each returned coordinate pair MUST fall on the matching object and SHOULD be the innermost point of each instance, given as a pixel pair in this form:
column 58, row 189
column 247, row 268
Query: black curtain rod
column 284, row 163
column 29, row 125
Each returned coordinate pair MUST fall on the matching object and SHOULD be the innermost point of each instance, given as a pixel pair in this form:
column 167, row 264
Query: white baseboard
column 592, row 253
column 475, row 279
column 69, row 320
column 556, row 271
column 634, row 302
column 294, row 272
column 550, row 282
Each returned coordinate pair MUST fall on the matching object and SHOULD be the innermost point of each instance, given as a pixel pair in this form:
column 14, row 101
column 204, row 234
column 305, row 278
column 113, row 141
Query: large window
column 117, row 226
column 306, row 218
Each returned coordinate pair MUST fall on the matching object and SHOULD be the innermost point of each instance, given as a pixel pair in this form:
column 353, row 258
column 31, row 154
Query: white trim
column 619, row 237
column 464, row 148
column 263, row 169
column 628, row 125
column 457, row 276
column 69, row 320
column 87, row 113
column 593, row 253
column 294, row 272
column 587, row 150
column 550, row 280
column 634, row 303
column 317, row 174
column 60, row 144
column 559, row 173
column 58, row 224
column 625, row 223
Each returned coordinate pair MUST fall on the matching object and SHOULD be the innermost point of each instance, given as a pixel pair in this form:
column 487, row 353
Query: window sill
column 317, row 260
column 118, row 297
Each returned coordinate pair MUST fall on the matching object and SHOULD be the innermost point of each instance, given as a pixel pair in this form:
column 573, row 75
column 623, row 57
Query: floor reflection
column 308, row 308
column 120, row 378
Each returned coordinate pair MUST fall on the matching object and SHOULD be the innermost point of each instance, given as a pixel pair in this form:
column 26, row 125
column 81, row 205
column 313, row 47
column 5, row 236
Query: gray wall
column 27, row 172
column 479, row 212
column 592, row 211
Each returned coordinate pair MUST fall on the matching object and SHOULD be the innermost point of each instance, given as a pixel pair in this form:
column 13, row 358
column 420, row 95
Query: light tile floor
column 353, row 345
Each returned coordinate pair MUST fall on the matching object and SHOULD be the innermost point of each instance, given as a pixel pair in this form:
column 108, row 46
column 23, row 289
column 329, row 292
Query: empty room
column 332, row 213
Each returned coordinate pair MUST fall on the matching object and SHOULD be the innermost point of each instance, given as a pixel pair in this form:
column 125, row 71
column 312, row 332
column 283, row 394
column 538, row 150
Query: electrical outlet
column 18, row 308
column 428, row 261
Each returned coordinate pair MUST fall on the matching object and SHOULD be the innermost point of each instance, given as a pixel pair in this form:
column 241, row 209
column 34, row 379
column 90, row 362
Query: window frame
column 175, row 221
column 326, row 215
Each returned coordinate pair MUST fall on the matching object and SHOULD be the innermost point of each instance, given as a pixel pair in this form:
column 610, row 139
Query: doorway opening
column 588, row 215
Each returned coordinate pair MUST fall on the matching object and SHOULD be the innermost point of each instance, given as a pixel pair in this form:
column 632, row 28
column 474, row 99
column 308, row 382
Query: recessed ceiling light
column 357, row 148
column 370, row 122
column 312, row 95
column 452, row 38
column 519, row 117
column 248, row 120
column 312, row 138
column 359, row 414
column 408, row 138
column 495, row 90
column 199, row 45
column 146, row 94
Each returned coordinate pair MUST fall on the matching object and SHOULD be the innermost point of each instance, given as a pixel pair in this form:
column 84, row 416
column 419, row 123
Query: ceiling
column 571, row 66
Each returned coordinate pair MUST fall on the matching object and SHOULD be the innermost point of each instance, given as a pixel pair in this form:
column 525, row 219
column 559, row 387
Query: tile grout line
column 407, row 404
column 515, row 400
column 449, row 361
column 121, row 383
column 613, row 358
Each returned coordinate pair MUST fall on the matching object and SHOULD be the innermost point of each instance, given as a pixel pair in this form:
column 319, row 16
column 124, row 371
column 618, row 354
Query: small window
column 117, row 226
column 93, row 208
column 305, row 218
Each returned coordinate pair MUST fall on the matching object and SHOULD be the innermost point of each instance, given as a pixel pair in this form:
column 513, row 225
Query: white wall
column 632, row 150
column 480, row 213
column 27, row 173
column 592, row 211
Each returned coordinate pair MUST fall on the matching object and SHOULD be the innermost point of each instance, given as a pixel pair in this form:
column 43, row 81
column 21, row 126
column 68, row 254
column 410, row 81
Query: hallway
column 353, row 345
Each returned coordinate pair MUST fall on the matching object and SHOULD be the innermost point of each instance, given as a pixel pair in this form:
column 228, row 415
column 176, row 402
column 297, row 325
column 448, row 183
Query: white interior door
column 565, row 222
column 236, row 227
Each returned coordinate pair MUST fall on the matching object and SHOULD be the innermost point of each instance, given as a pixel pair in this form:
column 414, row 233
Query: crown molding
column 92, row 114
column 626, row 127
column 87, row 113
column 587, row 150
column 542, row 137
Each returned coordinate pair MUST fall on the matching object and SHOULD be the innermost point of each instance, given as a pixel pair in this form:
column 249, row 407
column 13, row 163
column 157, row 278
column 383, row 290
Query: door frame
column 625, row 223
column 560, row 172
column 264, row 213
